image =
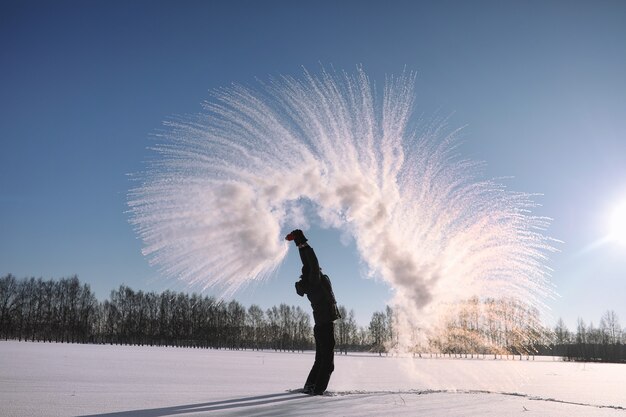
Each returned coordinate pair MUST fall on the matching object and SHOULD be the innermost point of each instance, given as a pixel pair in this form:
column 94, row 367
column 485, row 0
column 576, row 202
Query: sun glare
column 618, row 223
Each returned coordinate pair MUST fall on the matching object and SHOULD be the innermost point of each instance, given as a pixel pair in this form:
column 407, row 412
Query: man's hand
column 297, row 236
column 300, row 288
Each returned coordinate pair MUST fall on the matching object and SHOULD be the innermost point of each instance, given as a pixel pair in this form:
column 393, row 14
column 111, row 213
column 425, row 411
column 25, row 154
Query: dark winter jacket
column 317, row 288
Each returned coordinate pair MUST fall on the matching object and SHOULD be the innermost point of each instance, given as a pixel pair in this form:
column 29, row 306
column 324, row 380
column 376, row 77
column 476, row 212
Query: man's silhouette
column 319, row 291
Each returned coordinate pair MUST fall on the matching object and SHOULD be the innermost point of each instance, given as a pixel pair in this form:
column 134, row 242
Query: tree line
column 66, row 310
column 605, row 343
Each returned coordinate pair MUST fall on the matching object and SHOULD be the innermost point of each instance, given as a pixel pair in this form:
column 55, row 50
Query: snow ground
column 50, row 380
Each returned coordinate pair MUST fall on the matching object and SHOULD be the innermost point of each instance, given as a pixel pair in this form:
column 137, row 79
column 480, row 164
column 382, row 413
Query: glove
column 297, row 236
column 300, row 288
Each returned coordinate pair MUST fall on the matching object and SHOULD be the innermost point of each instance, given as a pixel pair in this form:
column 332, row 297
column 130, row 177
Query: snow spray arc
column 227, row 180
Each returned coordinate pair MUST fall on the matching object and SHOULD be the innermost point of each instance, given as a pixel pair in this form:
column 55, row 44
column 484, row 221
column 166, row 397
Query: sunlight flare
column 618, row 223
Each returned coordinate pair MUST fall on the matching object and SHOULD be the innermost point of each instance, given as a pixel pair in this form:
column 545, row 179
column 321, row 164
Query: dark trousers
column 324, row 364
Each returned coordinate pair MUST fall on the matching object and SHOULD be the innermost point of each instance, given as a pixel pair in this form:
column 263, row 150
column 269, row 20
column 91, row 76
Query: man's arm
column 311, row 266
column 310, row 263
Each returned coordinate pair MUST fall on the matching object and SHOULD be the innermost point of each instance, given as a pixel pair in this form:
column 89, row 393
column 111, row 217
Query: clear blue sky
column 541, row 86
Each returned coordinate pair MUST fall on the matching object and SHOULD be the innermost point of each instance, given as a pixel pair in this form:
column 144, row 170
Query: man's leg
column 309, row 385
column 326, row 343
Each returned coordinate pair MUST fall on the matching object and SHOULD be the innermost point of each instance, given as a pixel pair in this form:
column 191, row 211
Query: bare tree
column 303, row 329
column 255, row 323
column 346, row 330
column 581, row 331
column 8, row 305
column 610, row 328
column 378, row 332
column 561, row 333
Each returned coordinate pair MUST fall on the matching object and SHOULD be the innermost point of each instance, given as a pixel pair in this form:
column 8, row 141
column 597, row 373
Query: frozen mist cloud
column 212, row 210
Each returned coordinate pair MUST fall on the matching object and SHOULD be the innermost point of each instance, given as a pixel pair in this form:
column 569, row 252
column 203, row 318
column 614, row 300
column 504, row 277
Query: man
column 319, row 291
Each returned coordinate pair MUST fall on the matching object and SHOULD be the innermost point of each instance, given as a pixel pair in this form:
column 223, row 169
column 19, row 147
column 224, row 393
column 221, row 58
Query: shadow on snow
column 207, row 407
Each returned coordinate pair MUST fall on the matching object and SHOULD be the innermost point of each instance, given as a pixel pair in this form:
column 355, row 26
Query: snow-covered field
column 50, row 380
